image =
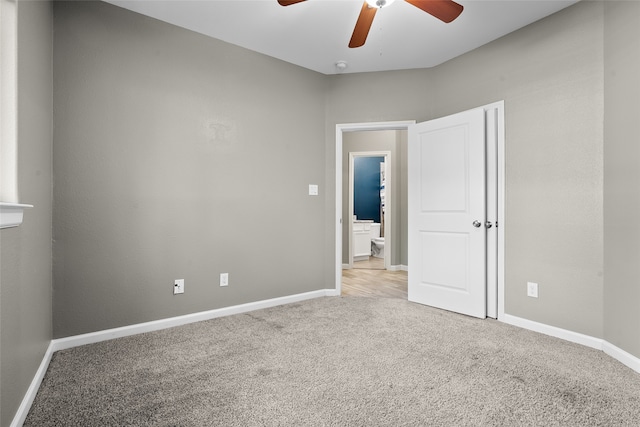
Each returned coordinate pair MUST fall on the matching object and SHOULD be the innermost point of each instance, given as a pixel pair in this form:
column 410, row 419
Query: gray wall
column 121, row 239
column 178, row 156
column 622, row 175
column 25, row 251
column 550, row 75
column 394, row 141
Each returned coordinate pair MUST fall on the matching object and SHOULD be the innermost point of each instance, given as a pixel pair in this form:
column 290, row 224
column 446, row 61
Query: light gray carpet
column 338, row 362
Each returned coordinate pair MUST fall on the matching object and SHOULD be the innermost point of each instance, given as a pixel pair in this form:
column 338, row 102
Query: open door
column 447, row 213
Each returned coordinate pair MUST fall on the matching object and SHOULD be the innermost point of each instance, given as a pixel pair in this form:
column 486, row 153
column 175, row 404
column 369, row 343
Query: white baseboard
column 93, row 337
column 108, row 334
column 621, row 356
column 617, row 353
column 553, row 331
column 391, row 268
column 30, row 395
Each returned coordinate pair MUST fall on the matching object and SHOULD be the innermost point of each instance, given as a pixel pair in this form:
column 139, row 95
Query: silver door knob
column 477, row 224
column 488, row 224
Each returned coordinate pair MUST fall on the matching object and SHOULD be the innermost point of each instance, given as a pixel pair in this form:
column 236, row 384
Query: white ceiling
column 314, row 34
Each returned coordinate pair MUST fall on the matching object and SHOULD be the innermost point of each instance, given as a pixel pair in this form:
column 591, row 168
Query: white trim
column 621, row 356
column 352, row 127
column 358, row 127
column 495, row 180
column 491, row 174
column 338, row 218
column 553, row 331
column 391, row 267
column 9, row 100
column 124, row 331
column 617, row 353
column 501, row 226
column 11, row 214
column 30, row 395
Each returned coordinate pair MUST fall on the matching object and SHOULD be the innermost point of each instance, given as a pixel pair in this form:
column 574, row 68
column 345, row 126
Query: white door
column 447, row 213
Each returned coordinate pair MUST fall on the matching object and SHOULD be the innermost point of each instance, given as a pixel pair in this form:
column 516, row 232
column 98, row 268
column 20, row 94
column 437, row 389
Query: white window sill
column 11, row 214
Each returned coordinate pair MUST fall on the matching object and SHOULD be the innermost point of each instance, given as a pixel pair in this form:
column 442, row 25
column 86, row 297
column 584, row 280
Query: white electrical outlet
column 532, row 289
column 224, row 279
column 178, row 286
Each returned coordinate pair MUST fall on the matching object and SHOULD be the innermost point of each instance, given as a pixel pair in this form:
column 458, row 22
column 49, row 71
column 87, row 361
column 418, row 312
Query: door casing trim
column 403, row 125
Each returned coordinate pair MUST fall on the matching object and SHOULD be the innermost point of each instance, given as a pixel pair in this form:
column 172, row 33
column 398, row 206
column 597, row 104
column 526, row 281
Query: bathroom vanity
column 361, row 239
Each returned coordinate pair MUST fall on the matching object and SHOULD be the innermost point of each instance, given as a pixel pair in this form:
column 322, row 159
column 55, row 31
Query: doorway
column 495, row 163
column 342, row 198
column 370, row 205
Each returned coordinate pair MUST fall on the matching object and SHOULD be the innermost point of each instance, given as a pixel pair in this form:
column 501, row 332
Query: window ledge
column 11, row 214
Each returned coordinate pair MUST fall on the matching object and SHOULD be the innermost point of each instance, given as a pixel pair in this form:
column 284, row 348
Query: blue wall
column 366, row 187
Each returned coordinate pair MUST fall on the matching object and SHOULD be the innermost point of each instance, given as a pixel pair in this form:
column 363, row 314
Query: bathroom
column 368, row 211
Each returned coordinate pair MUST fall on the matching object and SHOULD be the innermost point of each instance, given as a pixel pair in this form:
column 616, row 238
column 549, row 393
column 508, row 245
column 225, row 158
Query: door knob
column 477, row 223
column 488, row 224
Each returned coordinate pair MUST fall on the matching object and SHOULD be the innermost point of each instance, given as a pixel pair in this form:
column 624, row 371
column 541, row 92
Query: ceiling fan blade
column 363, row 24
column 289, row 2
column 444, row 10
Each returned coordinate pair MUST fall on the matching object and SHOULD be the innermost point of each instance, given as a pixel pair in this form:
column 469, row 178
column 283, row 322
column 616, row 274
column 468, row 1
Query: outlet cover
column 224, row 279
column 178, row 286
column 532, row 289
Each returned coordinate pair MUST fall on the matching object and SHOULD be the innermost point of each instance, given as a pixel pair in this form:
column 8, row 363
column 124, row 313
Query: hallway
column 374, row 282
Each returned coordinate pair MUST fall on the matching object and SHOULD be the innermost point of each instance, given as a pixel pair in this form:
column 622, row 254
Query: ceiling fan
column 444, row 10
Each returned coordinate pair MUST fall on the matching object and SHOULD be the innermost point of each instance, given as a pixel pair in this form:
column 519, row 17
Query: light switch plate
column 313, row 190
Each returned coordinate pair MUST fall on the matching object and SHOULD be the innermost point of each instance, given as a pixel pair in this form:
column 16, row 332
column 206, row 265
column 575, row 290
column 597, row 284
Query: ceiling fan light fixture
column 444, row 10
column 379, row 4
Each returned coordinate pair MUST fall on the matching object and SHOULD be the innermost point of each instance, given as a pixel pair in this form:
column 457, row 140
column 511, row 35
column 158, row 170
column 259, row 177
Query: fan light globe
column 379, row 3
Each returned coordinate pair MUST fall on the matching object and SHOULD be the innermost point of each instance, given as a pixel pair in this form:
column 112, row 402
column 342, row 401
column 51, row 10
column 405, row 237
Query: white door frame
column 495, row 119
column 352, row 127
column 388, row 168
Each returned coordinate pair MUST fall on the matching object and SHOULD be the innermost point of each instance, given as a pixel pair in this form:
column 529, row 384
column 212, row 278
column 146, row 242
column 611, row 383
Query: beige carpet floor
column 340, row 361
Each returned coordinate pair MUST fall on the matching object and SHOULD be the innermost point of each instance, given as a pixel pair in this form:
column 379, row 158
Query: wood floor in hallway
column 374, row 283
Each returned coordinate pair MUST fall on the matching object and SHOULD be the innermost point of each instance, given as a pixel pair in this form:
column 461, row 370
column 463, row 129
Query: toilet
column 377, row 242
column 377, row 247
